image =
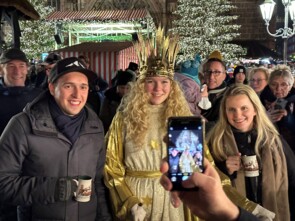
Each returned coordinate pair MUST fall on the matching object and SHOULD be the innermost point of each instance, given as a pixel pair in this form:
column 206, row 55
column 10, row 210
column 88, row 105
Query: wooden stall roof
column 101, row 15
column 24, row 7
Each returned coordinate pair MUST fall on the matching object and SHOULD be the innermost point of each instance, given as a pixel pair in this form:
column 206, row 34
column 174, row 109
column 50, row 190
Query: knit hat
column 239, row 69
column 123, row 77
column 190, row 68
column 13, row 54
column 67, row 65
column 216, row 54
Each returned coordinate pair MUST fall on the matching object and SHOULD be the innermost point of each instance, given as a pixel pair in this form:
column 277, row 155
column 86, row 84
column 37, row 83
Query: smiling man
column 214, row 73
column 52, row 142
column 14, row 93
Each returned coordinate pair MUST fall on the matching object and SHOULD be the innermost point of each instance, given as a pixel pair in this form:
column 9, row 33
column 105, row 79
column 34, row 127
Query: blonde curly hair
column 134, row 109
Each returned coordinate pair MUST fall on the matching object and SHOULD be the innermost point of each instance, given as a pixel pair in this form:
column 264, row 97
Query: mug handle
column 77, row 182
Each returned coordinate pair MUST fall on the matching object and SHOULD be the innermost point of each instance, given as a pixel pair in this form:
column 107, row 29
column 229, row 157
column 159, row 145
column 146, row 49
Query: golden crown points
column 157, row 55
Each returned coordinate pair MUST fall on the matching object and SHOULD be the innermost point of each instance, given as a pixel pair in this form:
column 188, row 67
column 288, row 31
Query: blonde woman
column 244, row 129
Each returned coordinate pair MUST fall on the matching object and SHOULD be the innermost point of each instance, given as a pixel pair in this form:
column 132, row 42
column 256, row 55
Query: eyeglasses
column 214, row 73
column 257, row 80
column 282, row 85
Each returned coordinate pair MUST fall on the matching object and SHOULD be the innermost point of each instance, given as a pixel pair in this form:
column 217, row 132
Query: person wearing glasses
column 258, row 78
column 214, row 75
column 278, row 97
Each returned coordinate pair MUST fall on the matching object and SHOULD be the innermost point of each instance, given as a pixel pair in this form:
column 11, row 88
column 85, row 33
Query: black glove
column 64, row 189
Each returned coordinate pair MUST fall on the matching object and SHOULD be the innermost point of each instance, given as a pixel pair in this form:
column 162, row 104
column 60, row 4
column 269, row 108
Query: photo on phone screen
column 184, row 148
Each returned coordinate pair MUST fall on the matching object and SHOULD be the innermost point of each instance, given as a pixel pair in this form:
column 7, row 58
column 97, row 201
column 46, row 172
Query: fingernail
column 172, row 202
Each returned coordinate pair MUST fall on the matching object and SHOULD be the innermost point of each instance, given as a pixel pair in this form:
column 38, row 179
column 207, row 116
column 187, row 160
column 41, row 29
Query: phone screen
column 185, row 148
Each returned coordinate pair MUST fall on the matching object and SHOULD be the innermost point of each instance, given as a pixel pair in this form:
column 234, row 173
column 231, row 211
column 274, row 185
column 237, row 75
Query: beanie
column 239, row 69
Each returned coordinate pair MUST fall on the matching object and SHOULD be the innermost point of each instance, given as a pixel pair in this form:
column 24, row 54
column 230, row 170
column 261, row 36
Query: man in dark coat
column 215, row 73
column 14, row 95
column 52, row 142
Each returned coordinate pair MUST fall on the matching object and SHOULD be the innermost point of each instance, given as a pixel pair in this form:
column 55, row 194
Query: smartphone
column 280, row 104
column 185, row 149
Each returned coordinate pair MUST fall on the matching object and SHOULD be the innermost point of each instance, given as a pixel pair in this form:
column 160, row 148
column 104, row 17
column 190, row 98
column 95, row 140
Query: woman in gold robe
column 135, row 145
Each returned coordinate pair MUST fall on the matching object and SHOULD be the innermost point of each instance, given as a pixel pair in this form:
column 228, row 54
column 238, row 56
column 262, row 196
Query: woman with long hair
column 245, row 131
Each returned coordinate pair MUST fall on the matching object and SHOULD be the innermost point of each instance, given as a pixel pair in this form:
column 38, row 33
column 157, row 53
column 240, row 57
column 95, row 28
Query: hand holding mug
column 83, row 191
column 233, row 163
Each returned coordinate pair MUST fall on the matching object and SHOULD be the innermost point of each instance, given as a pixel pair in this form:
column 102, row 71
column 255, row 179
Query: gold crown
column 156, row 56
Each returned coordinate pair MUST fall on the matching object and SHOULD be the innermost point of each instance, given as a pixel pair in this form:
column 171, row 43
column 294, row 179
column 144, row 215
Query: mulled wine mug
column 250, row 165
column 83, row 192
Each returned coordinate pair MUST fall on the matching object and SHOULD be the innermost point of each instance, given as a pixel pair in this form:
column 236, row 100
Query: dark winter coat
column 215, row 97
column 34, row 154
column 109, row 107
column 13, row 100
column 286, row 126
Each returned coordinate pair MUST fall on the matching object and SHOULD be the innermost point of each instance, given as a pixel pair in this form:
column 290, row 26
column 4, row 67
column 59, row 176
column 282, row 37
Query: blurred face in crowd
column 48, row 68
column 214, row 75
column 240, row 112
column 15, row 73
column 280, row 86
column 258, row 81
column 240, row 78
column 70, row 92
column 123, row 89
column 158, row 89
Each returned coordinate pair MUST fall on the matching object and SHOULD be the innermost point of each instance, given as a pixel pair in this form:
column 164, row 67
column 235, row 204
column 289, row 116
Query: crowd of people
column 66, row 122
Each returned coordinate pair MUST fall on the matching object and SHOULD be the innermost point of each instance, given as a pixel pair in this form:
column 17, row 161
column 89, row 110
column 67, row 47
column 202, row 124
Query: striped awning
column 101, row 15
column 105, row 57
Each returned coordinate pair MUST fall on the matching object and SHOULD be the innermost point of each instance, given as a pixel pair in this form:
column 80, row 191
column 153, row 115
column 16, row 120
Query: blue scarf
column 69, row 126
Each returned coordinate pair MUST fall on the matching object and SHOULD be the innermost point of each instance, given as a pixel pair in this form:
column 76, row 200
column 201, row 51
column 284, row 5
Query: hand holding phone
column 184, row 148
column 280, row 104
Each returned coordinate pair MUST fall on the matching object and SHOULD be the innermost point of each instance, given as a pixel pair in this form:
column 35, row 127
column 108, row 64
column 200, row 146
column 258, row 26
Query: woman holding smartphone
column 279, row 99
column 247, row 147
